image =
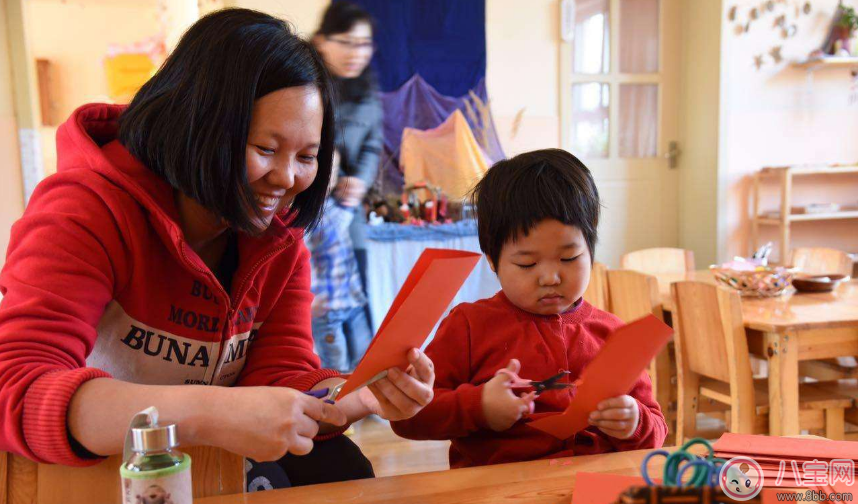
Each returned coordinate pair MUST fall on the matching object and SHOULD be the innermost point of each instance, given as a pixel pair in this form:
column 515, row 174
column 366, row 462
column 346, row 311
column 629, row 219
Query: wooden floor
column 392, row 455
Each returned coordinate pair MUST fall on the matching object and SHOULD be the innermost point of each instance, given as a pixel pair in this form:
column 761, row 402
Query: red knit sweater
column 99, row 281
column 476, row 340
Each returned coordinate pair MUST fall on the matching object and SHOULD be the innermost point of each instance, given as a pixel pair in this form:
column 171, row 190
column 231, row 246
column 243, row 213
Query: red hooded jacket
column 99, row 282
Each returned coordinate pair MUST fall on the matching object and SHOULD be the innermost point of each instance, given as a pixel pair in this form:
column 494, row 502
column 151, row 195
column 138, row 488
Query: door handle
column 673, row 153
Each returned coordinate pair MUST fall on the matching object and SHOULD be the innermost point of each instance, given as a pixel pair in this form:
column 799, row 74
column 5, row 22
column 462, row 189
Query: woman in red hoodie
column 164, row 265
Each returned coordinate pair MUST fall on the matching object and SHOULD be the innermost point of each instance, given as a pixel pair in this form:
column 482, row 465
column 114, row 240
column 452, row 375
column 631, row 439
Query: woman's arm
column 368, row 161
column 262, row 423
column 64, row 261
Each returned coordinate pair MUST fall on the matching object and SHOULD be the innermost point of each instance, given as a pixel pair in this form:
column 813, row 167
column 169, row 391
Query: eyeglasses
column 364, row 45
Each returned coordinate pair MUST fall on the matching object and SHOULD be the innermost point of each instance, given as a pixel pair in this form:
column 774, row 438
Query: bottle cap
column 155, row 438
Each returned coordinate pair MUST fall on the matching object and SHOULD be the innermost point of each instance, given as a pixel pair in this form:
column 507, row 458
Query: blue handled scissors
column 706, row 469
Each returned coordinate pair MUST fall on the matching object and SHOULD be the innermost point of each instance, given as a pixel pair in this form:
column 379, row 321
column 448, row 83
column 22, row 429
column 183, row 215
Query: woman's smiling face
column 282, row 148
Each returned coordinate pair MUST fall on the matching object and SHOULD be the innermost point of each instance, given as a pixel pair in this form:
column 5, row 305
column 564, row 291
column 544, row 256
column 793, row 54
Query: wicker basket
column 673, row 495
column 762, row 282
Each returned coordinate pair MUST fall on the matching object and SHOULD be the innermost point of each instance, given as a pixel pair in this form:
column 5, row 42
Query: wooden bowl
column 818, row 283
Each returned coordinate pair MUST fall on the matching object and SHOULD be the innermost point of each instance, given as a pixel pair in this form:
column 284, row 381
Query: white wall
column 699, row 108
column 74, row 36
column 305, row 15
column 780, row 116
column 11, row 190
column 523, row 71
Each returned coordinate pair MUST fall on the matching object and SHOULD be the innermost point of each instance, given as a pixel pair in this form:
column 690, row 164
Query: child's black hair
column 189, row 123
column 518, row 193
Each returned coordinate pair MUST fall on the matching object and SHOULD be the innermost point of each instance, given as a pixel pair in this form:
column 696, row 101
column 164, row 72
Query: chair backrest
column 821, row 261
column 633, row 295
column 655, row 261
column 596, row 291
column 213, row 472
column 710, row 336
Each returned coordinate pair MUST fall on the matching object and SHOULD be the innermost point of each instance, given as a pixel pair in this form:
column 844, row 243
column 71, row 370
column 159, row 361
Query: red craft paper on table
column 613, row 372
column 787, row 448
column 602, row 488
column 431, row 285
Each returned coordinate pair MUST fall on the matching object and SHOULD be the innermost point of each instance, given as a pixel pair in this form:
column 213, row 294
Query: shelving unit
column 828, row 62
column 783, row 217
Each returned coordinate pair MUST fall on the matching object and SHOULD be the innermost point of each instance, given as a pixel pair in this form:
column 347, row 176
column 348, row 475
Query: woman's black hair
column 518, row 193
column 189, row 123
column 339, row 18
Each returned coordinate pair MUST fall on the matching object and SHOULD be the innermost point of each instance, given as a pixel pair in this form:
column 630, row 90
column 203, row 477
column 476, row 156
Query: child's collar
column 578, row 312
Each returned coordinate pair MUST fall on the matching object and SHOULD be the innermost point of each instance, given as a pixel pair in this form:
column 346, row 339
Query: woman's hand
column 501, row 407
column 265, row 423
column 617, row 416
column 401, row 394
column 349, row 191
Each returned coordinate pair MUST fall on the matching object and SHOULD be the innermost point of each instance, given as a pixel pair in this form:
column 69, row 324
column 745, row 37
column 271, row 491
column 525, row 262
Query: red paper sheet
column 428, row 290
column 791, row 448
column 611, row 373
column 602, row 488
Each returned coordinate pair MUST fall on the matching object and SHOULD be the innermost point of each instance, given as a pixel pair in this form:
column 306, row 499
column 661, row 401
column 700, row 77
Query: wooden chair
column 213, row 472
column 655, row 261
column 596, row 291
column 821, row 261
column 713, row 366
column 634, row 295
column 825, row 261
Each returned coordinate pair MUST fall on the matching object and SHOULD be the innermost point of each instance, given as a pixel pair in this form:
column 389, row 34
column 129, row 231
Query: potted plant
column 847, row 24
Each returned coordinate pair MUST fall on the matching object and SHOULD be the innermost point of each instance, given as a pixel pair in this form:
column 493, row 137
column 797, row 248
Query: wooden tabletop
column 789, row 312
column 539, row 481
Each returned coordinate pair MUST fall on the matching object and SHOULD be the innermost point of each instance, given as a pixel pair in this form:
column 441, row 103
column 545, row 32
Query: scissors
column 706, row 469
column 539, row 386
column 329, row 395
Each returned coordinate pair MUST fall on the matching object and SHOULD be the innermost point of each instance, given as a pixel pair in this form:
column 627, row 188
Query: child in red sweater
column 537, row 224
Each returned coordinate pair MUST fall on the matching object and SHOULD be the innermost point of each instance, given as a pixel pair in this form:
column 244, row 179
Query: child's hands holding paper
column 617, row 416
column 401, row 394
column 502, row 408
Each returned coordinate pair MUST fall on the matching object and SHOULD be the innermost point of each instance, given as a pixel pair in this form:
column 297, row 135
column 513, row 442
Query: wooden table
column 785, row 330
column 539, row 481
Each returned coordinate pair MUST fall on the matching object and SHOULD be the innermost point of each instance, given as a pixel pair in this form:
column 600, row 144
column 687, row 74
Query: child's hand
column 501, row 407
column 617, row 416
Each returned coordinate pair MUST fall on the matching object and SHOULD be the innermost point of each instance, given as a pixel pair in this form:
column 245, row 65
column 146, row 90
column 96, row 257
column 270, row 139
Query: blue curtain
column 443, row 41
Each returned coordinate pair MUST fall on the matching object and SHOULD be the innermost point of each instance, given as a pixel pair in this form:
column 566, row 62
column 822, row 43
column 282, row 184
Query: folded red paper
column 428, row 290
column 777, row 448
column 601, row 488
column 613, row 372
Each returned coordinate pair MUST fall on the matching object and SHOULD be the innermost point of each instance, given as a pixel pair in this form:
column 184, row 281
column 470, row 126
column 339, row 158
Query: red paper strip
column 428, row 290
column 611, row 373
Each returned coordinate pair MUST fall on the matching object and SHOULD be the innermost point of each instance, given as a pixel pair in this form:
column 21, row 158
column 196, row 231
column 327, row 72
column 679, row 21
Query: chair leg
column 686, row 411
column 661, row 374
column 835, row 428
column 741, row 422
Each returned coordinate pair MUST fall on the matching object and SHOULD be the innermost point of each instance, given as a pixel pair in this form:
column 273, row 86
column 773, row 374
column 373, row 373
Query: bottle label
column 172, row 486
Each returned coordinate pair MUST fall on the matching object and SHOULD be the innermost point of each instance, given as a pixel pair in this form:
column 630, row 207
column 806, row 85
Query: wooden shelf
column 783, row 216
column 810, row 169
column 828, row 62
column 774, row 220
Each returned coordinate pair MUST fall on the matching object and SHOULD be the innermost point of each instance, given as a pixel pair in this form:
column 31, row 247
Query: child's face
column 547, row 271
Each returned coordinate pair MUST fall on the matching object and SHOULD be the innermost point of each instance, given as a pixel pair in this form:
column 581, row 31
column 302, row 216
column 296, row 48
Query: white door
column 619, row 99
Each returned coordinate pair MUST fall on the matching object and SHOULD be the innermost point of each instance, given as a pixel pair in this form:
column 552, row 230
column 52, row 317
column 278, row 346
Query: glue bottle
column 153, row 469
